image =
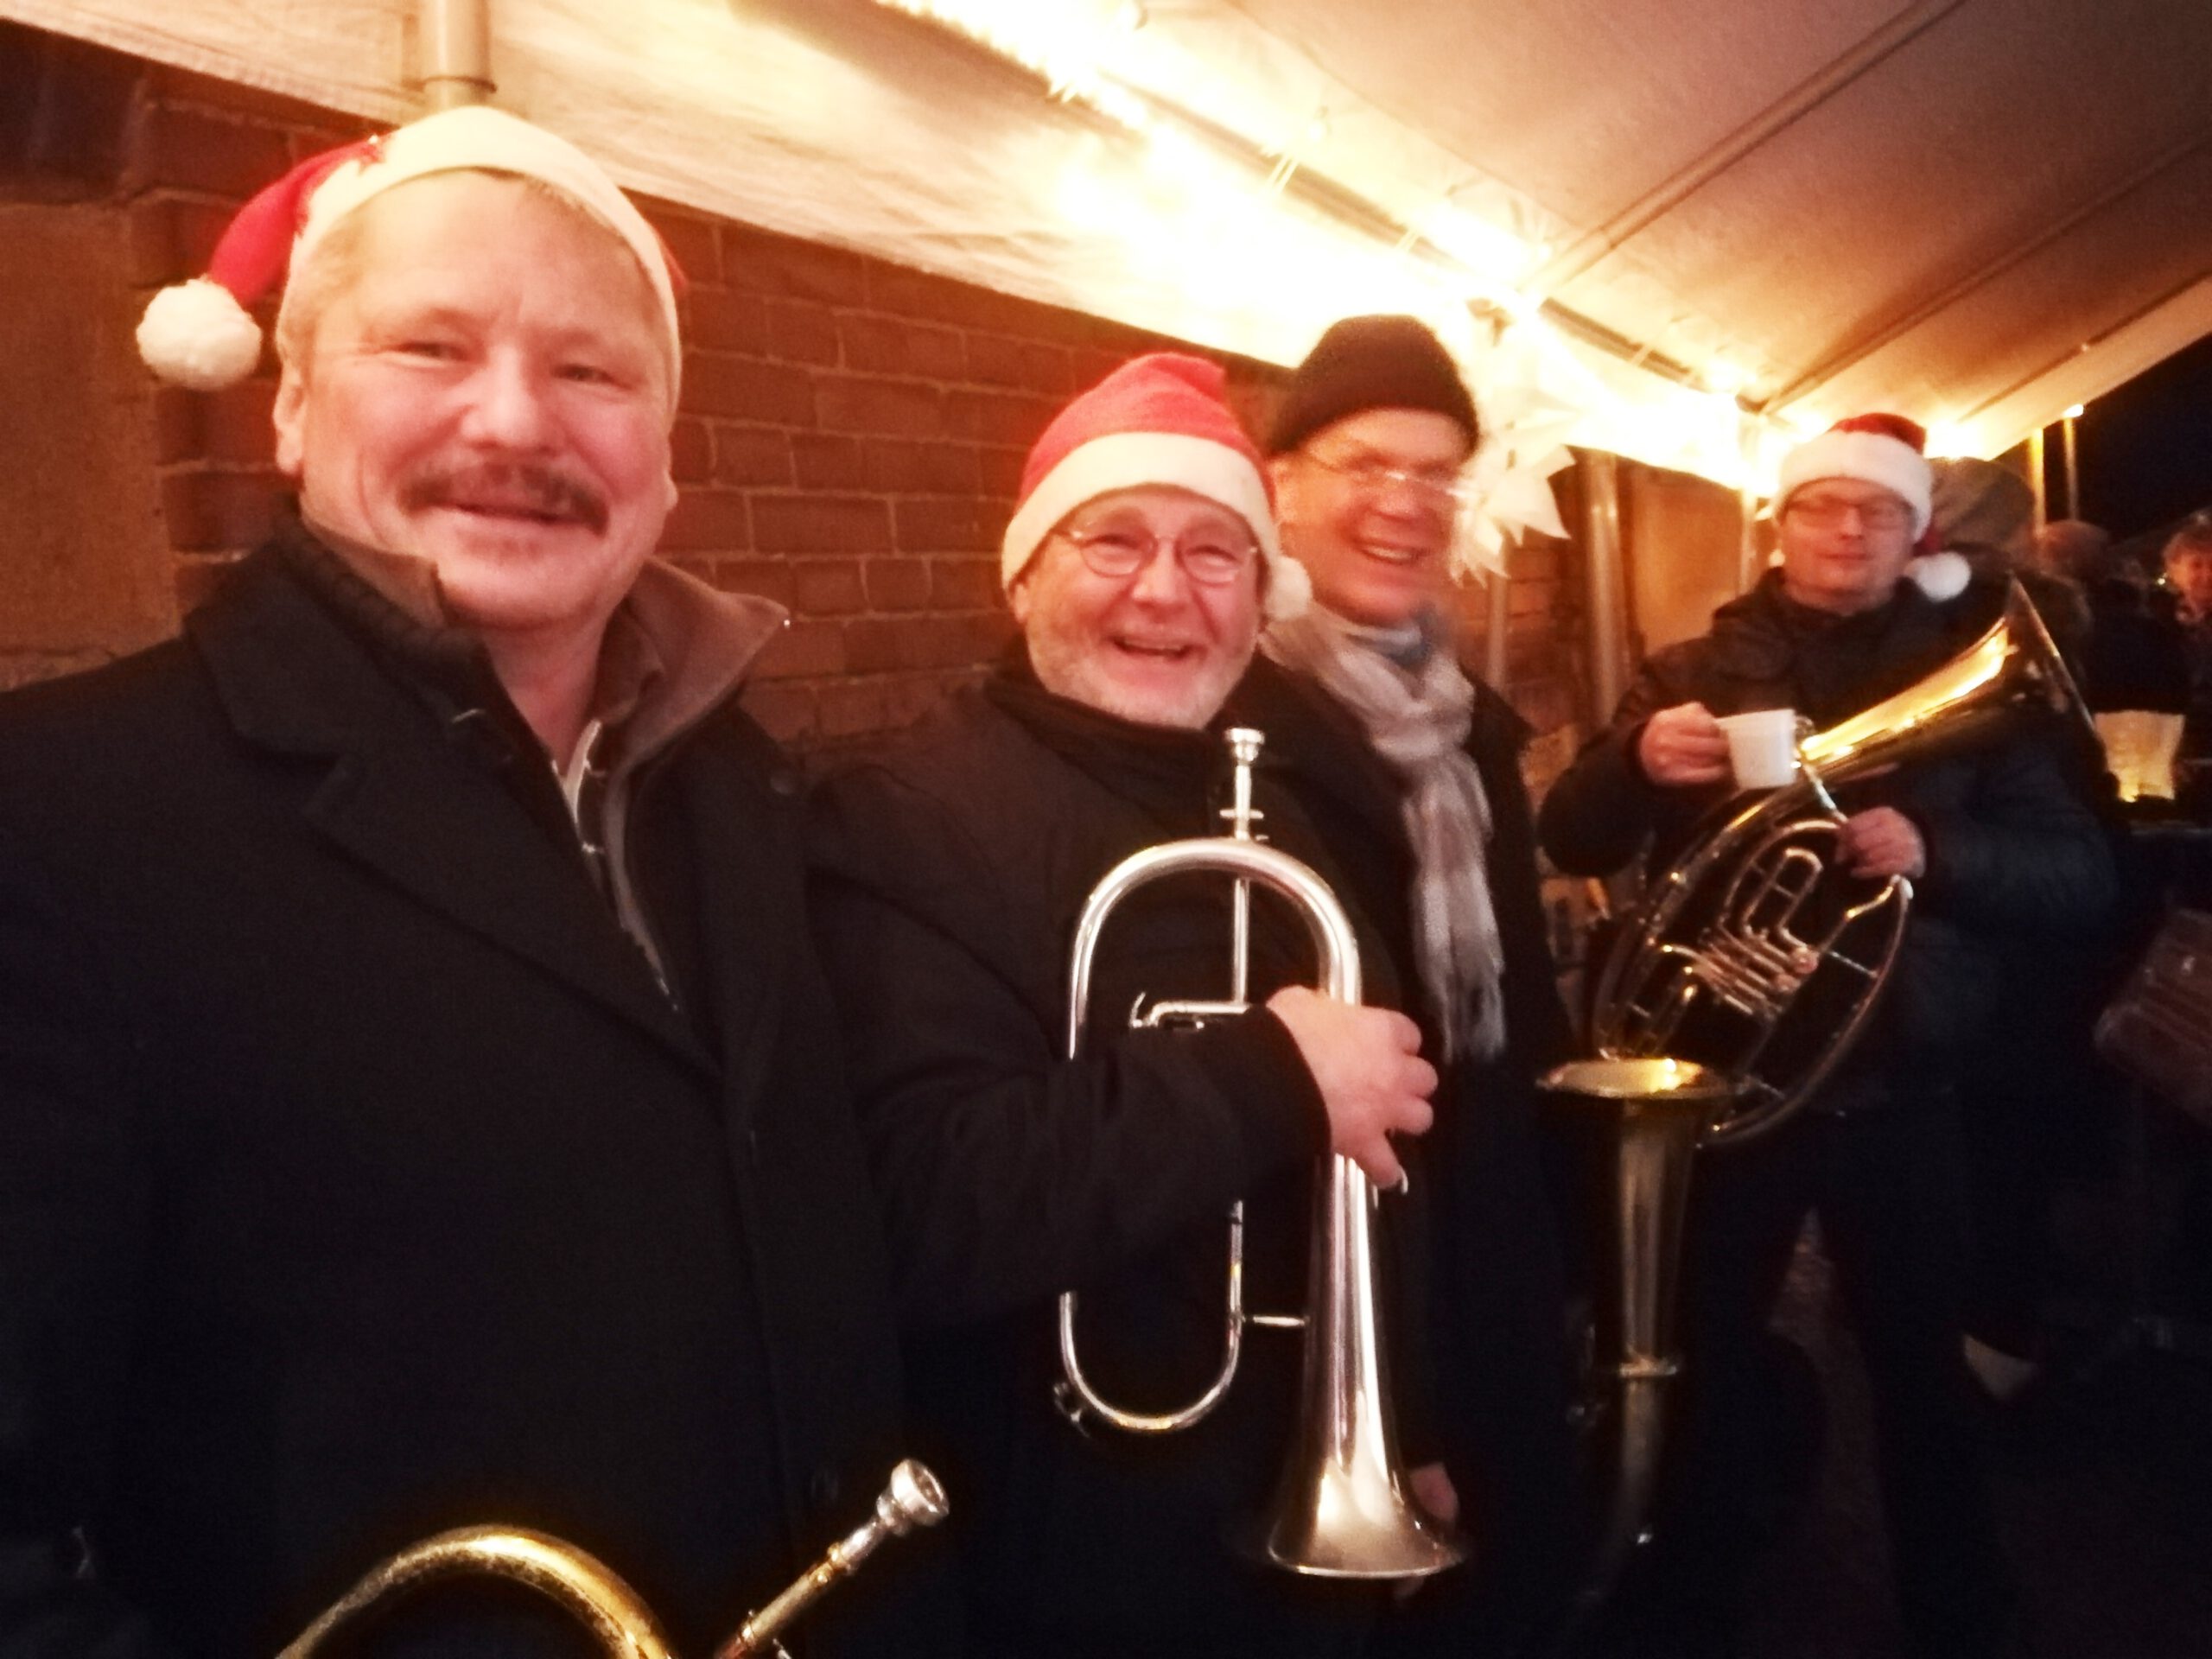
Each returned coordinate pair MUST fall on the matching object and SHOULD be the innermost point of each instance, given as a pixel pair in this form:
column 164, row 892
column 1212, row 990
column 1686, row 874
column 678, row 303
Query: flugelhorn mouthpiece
column 911, row 1501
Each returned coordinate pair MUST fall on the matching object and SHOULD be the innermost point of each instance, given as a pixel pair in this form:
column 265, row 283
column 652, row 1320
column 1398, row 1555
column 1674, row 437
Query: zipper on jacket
column 583, row 783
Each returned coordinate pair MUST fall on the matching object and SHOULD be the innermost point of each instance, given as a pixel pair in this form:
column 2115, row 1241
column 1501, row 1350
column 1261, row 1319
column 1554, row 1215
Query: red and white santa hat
column 1884, row 449
column 1888, row 450
column 1159, row 419
column 199, row 333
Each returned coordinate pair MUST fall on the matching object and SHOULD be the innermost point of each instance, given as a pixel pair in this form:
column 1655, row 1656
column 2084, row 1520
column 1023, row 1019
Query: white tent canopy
column 1977, row 212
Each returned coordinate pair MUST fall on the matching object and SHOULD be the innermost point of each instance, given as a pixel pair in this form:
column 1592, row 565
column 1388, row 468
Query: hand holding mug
column 1682, row 746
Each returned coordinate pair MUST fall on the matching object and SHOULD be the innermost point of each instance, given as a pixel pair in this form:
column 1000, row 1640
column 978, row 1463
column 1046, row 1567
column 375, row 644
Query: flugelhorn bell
column 1343, row 1508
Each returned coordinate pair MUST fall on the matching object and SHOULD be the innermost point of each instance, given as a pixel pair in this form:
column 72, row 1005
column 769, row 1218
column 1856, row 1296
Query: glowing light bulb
column 1948, row 438
column 1493, row 254
column 1726, row 378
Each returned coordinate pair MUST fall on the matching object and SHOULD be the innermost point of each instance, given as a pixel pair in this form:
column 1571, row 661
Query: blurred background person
column 2135, row 657
column 1984, row 512
column 2188, row 585
column 2036, row 1105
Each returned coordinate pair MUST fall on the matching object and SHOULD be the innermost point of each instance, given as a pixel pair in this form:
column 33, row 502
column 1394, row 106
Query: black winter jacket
column 1495, row 1296
column 2013, row 850
column 949, row 872
column 358, row 1181
column 1496, row 1336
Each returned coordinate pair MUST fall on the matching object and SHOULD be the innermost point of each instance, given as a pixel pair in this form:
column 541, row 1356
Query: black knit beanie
column 1365, row 363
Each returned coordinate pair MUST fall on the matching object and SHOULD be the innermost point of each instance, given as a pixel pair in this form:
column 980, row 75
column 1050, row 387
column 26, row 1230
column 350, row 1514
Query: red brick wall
column 849, row 440
column 852, row 437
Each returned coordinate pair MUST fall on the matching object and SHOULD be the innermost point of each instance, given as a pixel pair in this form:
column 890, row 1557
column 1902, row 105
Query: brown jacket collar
column 674, row 650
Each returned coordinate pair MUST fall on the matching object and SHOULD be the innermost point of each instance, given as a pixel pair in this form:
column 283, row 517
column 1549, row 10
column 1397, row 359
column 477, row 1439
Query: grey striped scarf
column 1417, row 707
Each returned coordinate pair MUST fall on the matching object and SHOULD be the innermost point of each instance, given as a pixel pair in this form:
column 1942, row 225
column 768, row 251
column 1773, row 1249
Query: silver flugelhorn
column 592, row 1592
column 1341, row 1508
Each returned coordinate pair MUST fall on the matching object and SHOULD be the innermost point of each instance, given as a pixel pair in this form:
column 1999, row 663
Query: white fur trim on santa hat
column 1290, row 589
column 478, row 136
column 1940, row 576
column 196, row 334
column 1128, row 461
column 1870, row 457
column 202, row 335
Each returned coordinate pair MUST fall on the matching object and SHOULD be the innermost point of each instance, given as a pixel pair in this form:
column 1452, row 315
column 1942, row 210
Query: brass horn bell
column 1739, row 985
column 1755, row 953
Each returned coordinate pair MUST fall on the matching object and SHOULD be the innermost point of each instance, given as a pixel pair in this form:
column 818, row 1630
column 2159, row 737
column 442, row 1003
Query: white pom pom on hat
column 1290, row 589
column 1940, row 576
column 201, row 333
column 197, row 335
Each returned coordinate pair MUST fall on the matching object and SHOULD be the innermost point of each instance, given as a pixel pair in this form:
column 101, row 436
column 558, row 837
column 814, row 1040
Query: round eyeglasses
column 1827, row 510
column 1119, row 551
column 1437, row 486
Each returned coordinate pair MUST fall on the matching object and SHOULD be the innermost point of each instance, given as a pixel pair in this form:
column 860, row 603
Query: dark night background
column 2146, row 449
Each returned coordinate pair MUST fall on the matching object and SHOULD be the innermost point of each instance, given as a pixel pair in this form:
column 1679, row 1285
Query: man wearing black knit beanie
column 1412, row 766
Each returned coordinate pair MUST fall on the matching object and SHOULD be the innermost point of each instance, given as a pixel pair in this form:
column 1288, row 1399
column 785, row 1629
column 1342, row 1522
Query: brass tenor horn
column 1751, row 967
column 1653, row 1113
column 1755, row 953
column 1342, row 1510
column 591, row 1593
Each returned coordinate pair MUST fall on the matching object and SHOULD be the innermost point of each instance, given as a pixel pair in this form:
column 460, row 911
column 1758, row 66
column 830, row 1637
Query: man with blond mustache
column 950, row 869
column 417, row 1103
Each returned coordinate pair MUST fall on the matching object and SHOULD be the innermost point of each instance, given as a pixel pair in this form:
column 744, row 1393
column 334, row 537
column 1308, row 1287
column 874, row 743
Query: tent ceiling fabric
column 2041, row 167
column 1975, row 211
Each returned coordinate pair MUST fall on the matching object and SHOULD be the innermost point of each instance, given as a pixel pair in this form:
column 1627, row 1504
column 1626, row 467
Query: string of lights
column 1236, row 188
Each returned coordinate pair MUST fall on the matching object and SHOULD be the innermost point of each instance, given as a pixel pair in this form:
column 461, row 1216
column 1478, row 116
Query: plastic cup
column 1761, row 746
